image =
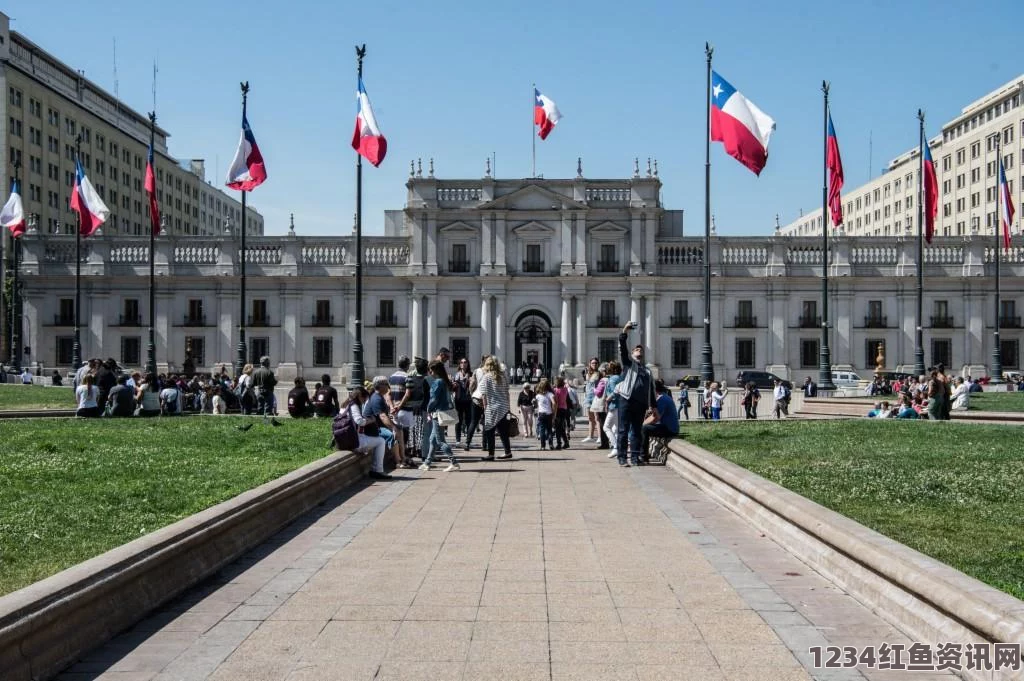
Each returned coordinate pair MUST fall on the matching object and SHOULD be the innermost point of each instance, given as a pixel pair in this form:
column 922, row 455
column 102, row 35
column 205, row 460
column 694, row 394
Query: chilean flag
column 13, row 214
column 154, row 209
column 739, row 124
column 92, row 212
column 1007, row 215
column 835, row 179
column 247, row 170
column 931, row 194
column 367, row 139
column 545, row 114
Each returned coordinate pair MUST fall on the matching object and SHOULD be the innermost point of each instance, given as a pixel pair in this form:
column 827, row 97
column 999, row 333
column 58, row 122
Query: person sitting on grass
column 220, row 406
column 325, row 398
column 874, row 410
column 961, row 395
column 885, row 411
column 121, row 401
column 87, row 395
column 299, row 405
column 905, row 409
column 170, row 400
column 662, row 420
column 147, row 397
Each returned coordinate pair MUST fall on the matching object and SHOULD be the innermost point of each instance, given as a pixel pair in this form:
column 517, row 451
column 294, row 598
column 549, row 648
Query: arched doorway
column 533, row 341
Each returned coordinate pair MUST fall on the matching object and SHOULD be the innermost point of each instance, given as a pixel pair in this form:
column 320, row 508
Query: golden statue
column 880, row 359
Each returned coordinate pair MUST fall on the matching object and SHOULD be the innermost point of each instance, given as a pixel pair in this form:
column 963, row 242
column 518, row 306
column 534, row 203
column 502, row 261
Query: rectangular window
column 131, row 350
column 808, row 353
column 131, row 312
column 680, row 352
column 259, row 313
column 608, row 262
column 322, row 316
column 947, row 162
column 1009, row 351
column 607, row 316
column 607, row 349
column 745, row 353
column 681, row 314
column 975, row 148
column 809, row 319
column 67, row 311
column 1008, row 314
column 386, row 352
column 386, row 313
column 322, row 348
column 872, row 348
column 460, row 259
column 65, row 350
column 460, row 316
column 259, row 346
column 942, row 352
column 195, row 346
column 195, row 316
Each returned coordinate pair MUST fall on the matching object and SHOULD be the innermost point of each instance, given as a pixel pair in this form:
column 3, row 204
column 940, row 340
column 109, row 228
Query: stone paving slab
column 551, row 566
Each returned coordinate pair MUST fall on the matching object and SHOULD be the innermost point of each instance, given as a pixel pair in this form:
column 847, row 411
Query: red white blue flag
column 1006, row 215
column 545, row 114
column 154, row 208
column 367, row 139
column 247, row 170
column 92, row 212
column 835, row 178
column 742, row 127
column 13, row 214
column 931, row 194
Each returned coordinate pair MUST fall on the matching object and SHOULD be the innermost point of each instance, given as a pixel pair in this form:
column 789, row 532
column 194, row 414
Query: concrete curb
column 930, row 601
column 36, row 413
column 50, row 624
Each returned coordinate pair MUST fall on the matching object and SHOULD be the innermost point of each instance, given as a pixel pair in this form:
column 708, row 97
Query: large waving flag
column 92, row 212
column 367, row 139
column 739, row 124
column 931, row 194
column 835, row 178
column 13, row 214
column 247, row 170
column 545, row 114
column 1006, row 216
column 154, row 208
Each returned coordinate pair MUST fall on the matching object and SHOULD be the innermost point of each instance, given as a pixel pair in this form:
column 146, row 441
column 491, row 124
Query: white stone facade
column 526, row 269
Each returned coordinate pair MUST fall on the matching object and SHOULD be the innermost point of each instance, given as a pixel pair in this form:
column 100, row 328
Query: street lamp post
column 358, row 370
column 997, row 352
column 707, row 367
column 76, row 346
column 825, row 353
column 15, row 319
column 919, row 328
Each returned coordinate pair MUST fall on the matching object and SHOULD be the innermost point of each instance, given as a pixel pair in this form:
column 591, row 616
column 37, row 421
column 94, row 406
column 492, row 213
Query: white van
column 845, row 379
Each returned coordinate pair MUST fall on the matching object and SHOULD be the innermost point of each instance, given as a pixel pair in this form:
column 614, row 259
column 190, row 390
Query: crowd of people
column 933, row 396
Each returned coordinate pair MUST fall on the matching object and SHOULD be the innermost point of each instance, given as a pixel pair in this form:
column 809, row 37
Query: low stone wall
column 50, row 624
column 928, row 600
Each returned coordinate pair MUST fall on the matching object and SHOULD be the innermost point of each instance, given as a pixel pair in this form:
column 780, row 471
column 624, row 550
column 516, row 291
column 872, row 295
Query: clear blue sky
column 451, row 80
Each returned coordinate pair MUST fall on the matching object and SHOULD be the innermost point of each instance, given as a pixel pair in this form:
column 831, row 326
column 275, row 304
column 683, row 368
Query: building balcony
column 810, row 322
column 874, row 322
column 458, row 322
column 194, row 320
column 458, row 267
column 129, row 320
column 323, row 320
column 63, row 320
column 607, row 266
column 608, row 321
column 1009, row 322
column 533, row 266
column 681, row 321
column 260, row 320
column 387, row 320
column 744, row 322
column 942, row 322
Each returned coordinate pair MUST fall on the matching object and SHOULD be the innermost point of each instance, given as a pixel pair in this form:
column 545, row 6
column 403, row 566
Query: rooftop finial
column 713, row 231
column 636, row 167
column 777, row 227
column 648, row 166
column 655, row 167
column 487, row 170
column 431, row 166
column 579, row 166
column 419, row 167
column 412, row 168
column 291, row 224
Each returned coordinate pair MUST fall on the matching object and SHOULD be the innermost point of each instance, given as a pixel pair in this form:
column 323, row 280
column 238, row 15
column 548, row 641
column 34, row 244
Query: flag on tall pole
column 931, row 194
column 13, row 214
column 247, row 169
column 154, row 207
column 92, row 212
column 736, row 121
column 367, row 139
column 545, row 114
column 835, row 178
column 1006, row 215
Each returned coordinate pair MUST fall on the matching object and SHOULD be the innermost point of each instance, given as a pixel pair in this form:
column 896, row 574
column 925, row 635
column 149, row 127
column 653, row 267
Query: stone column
column 415, row 315
column 485, row 324
column 581, row 351
column 499, row 327
column 430, row 342
column 634, row 311
column 564, row 331
column 650, row 326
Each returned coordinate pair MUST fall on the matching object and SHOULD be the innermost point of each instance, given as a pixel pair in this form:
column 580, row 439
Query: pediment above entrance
column 533, row 197
column 459, row 228
column 533, row 230
column 608, row 229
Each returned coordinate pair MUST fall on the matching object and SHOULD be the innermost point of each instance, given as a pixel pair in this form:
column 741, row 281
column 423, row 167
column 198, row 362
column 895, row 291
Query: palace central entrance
column 533, row 341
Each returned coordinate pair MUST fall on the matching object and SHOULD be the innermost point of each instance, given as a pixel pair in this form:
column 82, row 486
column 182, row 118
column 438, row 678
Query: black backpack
column 346, row 434
column 321, row 400
column 416, row 385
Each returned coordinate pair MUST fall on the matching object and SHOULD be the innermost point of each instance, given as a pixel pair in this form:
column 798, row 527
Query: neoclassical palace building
column 544, row 270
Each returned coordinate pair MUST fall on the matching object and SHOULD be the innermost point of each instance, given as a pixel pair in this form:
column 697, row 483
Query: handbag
column 597, row 405
column 446, row 417
column 513, row 424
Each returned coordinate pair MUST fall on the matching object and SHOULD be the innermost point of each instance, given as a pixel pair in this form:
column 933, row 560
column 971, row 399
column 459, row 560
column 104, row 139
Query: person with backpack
column 243, row 390
column 463, row 402
column 562, row 416
column 414, row 400
column 325, row 399
column 263, row 382
column 350, row 427
column 751, row 397
column 782, row 395
column 299, row 406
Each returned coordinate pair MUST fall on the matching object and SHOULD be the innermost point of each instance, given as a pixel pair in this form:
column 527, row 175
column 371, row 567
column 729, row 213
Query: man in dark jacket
column 263, row 382
column 636, row 392
column 121, row 398
column 106, row 379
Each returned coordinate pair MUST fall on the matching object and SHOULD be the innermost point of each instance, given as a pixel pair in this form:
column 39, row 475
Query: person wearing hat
column 263, row 382
column 377, row 408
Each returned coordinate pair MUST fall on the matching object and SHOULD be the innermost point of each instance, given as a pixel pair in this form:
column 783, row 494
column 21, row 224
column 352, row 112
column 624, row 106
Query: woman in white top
column 147, row 396
column 87, row 394
column 219, row 405
column 717, row 397
column 545, row 401
column 961, row 395
column 357, row 397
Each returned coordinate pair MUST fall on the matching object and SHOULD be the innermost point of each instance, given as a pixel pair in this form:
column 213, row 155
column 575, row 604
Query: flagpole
column 707, row 369
column 358, row 370
column 240, row 350
column 825, row 354
column 76, row 347
column 15, row 320
column 533, row 124
column 997, row 352
column 151, row 345
column 919, row 330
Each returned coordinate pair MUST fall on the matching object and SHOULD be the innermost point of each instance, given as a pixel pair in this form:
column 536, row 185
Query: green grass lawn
column 987, row 401
column 35, row 397
column 952, row 491
column 72, row 489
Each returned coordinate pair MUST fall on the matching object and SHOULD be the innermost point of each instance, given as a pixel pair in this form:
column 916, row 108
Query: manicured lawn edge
column 925, row 598
column 48, row 625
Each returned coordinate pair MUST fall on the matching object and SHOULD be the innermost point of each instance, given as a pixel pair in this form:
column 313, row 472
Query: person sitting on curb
column 662, row 420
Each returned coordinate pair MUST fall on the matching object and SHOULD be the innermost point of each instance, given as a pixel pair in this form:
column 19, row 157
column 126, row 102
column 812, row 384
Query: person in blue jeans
column 376, row 407
column 635, row 396
column 667, row 418
column 440, row 400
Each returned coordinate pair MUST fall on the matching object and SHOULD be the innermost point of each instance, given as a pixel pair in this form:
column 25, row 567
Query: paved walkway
column 555, row 565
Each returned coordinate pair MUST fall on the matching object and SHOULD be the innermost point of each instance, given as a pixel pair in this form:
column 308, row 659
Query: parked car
column 764, row 380
column 845, row 379
column 689, row 380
